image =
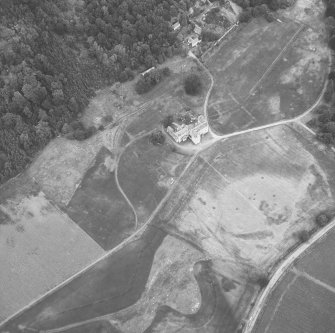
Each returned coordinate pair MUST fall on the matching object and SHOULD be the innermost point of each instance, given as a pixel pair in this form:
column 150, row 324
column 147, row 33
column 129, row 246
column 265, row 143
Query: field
column 318, row 262
column 98, row 206
column 304, row 300
column 114, row 283
column 62, row 164
column 265, row 73
column 146, row 172
column 39, row 245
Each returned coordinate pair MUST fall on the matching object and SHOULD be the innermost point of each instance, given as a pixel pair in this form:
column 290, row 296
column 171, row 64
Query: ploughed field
column 304, row 299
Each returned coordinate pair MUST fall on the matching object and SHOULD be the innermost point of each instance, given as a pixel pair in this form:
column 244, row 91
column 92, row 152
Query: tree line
column 324, row 120
column 255, row 8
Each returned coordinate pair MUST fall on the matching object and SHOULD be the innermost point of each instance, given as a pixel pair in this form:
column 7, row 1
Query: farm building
column 193, row 41
column 197, row 29
column 147, row 71
column 176, row 26
column 194, row 130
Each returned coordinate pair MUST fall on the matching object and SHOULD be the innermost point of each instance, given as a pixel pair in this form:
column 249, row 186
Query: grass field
column 265, row 73
column 62, row 164
column 98, row 206
column 146, row 172
column 39, row 246
column 304, row 307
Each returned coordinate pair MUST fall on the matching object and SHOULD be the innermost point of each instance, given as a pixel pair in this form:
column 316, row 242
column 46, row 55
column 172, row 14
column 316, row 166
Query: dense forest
column 55, row 53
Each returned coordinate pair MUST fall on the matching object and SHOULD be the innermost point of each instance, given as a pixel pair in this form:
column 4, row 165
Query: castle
column 194, row 130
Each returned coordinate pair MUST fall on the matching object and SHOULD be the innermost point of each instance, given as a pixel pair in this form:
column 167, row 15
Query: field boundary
column 281, row 269
column 269, row 69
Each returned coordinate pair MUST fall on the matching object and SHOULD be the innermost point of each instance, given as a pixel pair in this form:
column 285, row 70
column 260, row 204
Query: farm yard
column 303, row 301
column 265, row 73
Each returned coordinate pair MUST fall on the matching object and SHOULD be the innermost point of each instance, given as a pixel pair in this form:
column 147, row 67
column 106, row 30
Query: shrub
column 302, row 236
column 209, row 36
column 167, row 121
column 157, row 138
column 147, row 82
column 263, row 280
column 322, row 219
column 193, row 85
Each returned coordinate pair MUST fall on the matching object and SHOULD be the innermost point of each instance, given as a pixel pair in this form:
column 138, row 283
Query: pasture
column 265, row 73
column 99, row 207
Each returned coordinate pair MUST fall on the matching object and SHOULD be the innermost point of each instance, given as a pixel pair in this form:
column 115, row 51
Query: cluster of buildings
column 197, row 127
column 197, row 15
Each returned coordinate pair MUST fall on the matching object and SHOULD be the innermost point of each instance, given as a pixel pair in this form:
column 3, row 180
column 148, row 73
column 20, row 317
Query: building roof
column 148, row 70
column 176, row 26
column 197, row 29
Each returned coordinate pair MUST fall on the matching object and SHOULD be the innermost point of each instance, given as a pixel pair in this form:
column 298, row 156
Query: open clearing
column 98, row 206
column 304, row 299
column 265, row 73
column 39, row 246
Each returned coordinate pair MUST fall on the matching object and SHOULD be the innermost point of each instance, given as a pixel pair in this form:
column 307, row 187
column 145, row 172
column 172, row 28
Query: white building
column 193, row 41
column 197, row 29
column 147, row 71
column 176, row 26
column 193, row 131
